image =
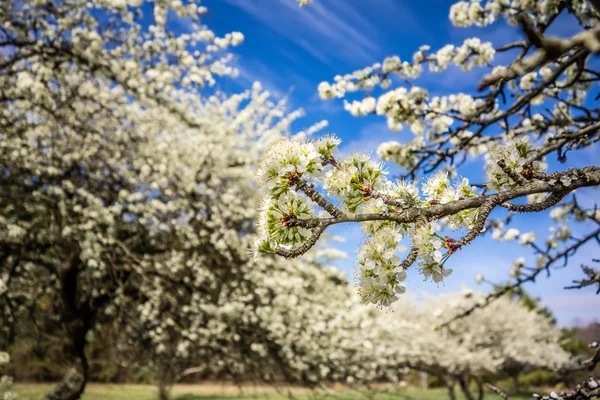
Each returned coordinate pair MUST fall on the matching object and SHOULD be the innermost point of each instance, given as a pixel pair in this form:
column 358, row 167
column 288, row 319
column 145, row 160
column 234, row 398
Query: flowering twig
column 548, row 49
column 504, row 289
column 390, row 211
column 590, row 177
column 593, row 278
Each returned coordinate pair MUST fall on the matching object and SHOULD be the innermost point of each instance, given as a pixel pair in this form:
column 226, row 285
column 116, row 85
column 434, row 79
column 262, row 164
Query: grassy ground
column 35, row 391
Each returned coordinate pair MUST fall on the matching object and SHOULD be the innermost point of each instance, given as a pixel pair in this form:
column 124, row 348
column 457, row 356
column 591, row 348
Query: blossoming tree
column 124, row 201
column 538, row 106
column 89, row 193
column 125, row 190
column 503, row 338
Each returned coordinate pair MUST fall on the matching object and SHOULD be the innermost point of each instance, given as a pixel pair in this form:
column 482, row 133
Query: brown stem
column 304, row 247
column 551, row 201
column 484, row 213
column 512, row 174
column 498, row 391
column 464, row 386
column 521, row 280
column 410, row 259
column 317, row 198
column 586, row 177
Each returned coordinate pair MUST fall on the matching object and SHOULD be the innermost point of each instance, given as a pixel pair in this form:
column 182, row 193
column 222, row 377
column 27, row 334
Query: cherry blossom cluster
column 380, row 274
column 289, row 173
column 473, row 52
column 298, row 175
column 414, row 109
column 482, row 13
column 510, row 163
column 402, row 154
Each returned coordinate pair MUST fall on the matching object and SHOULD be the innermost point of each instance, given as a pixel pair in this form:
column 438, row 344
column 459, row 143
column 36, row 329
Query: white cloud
column 252, row 70
column 316, row 104
column 371, row 136
column 327, row 30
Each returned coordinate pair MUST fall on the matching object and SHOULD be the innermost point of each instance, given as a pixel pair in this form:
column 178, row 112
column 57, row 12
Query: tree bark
column 164, row 391
column 480, row 392
column 77, row 319
column 165, row 380
column 451, row 393
column 515, row 383
column 464, row 386
column 423, row 380
column 74, row 381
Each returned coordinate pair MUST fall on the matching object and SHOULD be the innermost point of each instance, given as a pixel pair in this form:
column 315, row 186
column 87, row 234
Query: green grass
column 94, row 391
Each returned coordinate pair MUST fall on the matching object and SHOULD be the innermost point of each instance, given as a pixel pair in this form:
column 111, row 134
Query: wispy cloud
column 252, row 70
column 314, row 51
column 371, row 136
column 326, row 30
column 399, row 13
column 316, row 104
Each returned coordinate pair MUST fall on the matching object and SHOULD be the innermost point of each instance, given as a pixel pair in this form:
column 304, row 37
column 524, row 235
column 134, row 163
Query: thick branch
column 588, row 176
column 549, row 49
column 551, row 201
column 518, row 179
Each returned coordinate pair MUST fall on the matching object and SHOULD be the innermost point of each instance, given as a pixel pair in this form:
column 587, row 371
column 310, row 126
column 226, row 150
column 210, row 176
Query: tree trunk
column 165, row 380
column 464, row 386
column 74, row 381
column 515, row 383
column 448, row 382
column 480, row 392
column 451, row 393
column 164, row 391
column 77, row 319
column 423, row 380
column 72, row 385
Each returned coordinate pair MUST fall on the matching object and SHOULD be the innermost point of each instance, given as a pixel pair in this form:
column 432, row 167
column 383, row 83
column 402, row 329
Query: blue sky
column 291, row 49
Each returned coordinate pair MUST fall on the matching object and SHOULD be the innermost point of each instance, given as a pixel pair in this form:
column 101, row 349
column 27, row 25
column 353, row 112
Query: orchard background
column 278, row 198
